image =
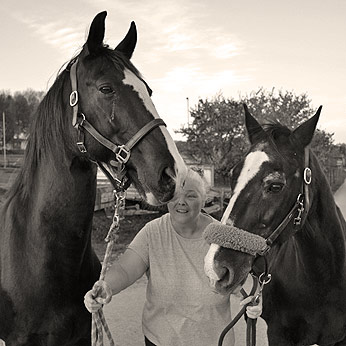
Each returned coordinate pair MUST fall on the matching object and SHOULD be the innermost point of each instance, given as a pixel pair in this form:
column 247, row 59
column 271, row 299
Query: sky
column 191, row 49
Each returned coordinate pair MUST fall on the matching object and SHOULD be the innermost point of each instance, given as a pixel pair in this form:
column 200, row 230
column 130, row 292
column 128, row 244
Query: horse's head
column 115, row 118
column 265, row 185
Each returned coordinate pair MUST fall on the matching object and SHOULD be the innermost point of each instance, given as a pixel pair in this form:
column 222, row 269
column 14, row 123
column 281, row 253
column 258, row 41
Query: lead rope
column 98, row 321
column 263, row 279
column 240, row 313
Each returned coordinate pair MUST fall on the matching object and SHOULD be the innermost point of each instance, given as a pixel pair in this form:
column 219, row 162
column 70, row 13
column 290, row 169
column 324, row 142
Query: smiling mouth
column 181, row 211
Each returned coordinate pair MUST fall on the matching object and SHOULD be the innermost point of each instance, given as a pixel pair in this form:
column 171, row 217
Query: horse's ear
column 252, row 125
column 96, row 33
column 304, row 133
column 128, row 44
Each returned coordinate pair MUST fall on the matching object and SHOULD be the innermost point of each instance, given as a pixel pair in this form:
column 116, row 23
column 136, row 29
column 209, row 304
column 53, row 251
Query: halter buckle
column 73, row 98
column 123, row 154
column 81, row 147
column 300, row 200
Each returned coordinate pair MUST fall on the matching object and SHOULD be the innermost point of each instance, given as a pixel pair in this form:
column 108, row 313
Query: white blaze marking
column 209, row 263
column 252, row 165
column 140, row 88
column 151, row 198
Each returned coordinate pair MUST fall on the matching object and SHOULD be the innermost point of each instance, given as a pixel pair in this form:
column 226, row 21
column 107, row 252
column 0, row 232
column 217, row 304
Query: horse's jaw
column 221, row 286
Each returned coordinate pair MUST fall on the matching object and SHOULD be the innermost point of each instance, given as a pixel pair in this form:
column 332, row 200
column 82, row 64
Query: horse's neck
column 317, row 251
column 61, row 200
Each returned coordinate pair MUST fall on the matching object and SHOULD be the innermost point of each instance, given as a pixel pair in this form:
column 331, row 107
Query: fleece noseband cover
column 234, row 238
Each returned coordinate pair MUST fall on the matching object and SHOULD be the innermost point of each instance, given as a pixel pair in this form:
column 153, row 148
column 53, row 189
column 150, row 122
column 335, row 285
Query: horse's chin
column 152, row 194
column 151, row 199
column 224, row 288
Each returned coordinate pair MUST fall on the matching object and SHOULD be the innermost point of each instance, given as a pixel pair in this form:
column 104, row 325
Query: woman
column 180, row 308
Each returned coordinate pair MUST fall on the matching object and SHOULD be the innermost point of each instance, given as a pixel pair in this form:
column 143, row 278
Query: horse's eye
column 106, row 90
column 275, row 187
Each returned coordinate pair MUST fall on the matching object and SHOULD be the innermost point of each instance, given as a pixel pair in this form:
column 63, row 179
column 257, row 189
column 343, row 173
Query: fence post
column 222, row 197
column 4, row 137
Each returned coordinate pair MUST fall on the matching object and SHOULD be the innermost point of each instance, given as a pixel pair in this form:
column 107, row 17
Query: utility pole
column 188, row 112
column 4, row 137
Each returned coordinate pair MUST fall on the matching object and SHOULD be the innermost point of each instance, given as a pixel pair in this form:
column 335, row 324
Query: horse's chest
column 303, row 320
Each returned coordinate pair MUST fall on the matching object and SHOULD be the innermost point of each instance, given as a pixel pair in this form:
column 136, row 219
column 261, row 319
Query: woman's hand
column 253, row 310
column 98, row 296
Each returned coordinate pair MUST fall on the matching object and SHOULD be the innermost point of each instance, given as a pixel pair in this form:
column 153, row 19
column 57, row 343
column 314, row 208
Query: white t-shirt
column 180, row 307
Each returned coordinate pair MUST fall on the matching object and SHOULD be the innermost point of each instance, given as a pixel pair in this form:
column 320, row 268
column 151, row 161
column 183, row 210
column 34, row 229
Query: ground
column 129, row 227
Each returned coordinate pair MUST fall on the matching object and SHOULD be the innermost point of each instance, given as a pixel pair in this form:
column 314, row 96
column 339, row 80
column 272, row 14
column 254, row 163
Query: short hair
column 194, row 176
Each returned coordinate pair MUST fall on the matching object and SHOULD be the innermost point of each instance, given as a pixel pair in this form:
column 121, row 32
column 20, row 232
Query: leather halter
column 300, row 208
column 79, row 121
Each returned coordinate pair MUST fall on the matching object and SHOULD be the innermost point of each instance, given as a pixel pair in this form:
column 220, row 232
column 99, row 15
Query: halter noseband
column 122, row 152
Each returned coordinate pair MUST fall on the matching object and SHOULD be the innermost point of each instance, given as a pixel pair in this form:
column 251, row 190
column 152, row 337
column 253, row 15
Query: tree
column 322, row 145
column 19, row 110
column 33, row 98
column 6, row 101
column 217, row 133
column 282, row 106
column 21, row 113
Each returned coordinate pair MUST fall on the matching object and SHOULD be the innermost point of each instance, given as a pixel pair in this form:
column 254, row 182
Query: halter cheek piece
column 234, row 238
column 79, row 121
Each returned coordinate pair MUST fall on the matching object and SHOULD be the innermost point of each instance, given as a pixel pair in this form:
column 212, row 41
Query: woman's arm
column 120, row 275
column 127, row 270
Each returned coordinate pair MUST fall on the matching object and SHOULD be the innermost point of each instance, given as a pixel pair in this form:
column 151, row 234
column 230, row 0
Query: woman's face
column 187, row 202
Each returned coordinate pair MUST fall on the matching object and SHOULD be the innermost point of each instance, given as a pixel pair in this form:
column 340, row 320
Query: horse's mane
column 49, row 137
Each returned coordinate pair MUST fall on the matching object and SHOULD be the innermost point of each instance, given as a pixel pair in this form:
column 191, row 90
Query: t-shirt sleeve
column 140, row 244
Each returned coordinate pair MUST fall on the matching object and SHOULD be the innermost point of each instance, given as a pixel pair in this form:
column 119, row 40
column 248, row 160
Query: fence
column 336, row 176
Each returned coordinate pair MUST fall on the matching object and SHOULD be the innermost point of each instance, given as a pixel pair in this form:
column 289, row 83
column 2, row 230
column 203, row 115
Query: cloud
column 226, row 51
column 193, row 82
column 193, row 78
column 59, row 34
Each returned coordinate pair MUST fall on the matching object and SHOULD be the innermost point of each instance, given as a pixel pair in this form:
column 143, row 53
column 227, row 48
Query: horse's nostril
column 168, row 179
column 167, row 184
column 225, row 275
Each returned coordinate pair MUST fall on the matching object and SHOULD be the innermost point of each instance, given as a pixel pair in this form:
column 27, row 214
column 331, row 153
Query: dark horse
column 305, row 302
column 46, row 260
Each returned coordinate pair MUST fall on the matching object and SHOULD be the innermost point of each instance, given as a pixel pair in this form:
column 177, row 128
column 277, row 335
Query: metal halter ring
column 264, row 279
column 73, row 98
column 307, row 176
